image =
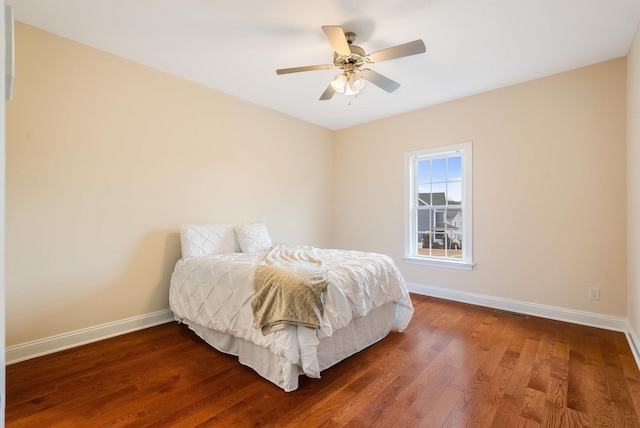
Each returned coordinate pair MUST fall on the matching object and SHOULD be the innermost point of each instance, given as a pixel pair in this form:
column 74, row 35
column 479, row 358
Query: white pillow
column 207, row 240
column 253, row 237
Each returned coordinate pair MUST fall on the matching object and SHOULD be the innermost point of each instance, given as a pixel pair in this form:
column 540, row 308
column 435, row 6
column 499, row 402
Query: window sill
column 438, row 263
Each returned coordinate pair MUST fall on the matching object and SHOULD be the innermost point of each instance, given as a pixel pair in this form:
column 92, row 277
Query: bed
column 212, row 292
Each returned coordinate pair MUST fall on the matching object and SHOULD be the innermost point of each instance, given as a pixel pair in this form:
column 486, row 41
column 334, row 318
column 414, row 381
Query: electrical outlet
column 594, row 293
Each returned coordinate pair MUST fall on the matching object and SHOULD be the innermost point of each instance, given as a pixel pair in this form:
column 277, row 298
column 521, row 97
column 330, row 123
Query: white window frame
column 410, row 212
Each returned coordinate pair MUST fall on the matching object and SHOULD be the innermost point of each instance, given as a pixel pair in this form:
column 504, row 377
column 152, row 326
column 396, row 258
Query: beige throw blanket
column 290, row 286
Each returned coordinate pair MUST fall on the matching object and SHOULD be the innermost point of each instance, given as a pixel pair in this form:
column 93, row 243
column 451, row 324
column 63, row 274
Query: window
column 438, row 207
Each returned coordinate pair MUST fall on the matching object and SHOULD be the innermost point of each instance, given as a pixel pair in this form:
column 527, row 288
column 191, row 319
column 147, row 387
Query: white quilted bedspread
column 216, row 293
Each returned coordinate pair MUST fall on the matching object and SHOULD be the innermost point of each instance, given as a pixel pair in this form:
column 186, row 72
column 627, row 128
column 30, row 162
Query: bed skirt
column 358, row 335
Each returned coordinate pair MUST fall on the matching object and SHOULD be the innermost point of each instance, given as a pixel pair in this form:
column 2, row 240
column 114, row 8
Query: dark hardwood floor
column 456, row 365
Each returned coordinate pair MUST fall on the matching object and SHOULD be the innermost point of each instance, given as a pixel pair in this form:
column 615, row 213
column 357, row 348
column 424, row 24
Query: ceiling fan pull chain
column 349, row 99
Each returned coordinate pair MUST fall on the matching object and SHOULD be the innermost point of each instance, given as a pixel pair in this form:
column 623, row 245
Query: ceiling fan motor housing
column 356, row 59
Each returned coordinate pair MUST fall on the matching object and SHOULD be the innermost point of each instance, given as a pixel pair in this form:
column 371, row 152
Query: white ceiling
column 235, row 46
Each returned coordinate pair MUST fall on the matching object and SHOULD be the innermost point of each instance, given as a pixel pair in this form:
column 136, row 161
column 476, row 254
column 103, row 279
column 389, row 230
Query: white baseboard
column 634, row 342
column 552, row 312
column 49, row 345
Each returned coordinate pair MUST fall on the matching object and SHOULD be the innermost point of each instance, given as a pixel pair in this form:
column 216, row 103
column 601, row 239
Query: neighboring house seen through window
column 438, row 210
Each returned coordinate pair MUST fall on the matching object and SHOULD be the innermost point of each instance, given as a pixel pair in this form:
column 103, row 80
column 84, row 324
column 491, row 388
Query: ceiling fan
column 350, row 58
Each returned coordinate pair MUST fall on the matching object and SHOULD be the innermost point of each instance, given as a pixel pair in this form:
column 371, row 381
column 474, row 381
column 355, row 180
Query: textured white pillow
column 207, row 240
column 253, row 237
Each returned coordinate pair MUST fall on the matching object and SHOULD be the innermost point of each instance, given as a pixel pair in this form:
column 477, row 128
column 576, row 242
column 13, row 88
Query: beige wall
column 633, row 182
column 548, row 180
column 105, row 160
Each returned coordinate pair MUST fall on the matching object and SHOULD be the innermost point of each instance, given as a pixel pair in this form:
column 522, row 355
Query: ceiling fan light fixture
column 349, row 91
column 339, row 83
column 355, row 82
column 348, row 83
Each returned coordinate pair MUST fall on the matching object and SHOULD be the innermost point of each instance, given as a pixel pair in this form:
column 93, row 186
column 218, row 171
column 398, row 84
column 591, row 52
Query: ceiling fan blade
column 379, row 80
column 336, row 36
column 306, row 68
column 407, row 49
column 328, row 93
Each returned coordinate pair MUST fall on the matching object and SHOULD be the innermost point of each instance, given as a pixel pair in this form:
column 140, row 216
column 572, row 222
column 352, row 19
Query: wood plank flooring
column 456, row 365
